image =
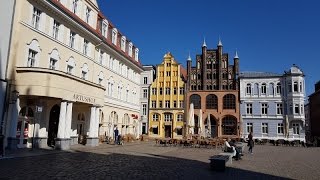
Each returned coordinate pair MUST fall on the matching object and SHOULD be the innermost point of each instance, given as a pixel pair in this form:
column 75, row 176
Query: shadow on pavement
column 85, row 165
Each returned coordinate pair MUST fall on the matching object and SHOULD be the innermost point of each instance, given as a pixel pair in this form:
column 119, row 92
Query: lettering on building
column 85, row 99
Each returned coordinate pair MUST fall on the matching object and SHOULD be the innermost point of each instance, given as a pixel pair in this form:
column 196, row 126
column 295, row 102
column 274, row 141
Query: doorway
column 25, row 116
column 213, row 128
column 144, row 127
column 167, row 130
column 53, row 125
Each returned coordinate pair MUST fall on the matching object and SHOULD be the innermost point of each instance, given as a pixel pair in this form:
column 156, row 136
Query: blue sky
column 270, row 35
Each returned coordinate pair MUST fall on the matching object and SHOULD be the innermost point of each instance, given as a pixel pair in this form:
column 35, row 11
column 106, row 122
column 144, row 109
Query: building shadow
column 87, row 165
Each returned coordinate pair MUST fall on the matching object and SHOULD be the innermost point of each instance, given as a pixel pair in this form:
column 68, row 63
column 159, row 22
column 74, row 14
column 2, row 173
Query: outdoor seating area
column 280, row 142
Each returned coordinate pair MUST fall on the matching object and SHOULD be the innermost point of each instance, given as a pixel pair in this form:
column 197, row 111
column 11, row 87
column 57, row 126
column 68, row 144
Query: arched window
column 155, row 117
column 114, row 36
column 212, row 101
column 114, row 117
column 70, row 65
column 196, row 100
column 229, row 101
column 126, row 119
column 84, row 71
column 278, row 88
column 248, row 89
column 33, row 54
column 54, row 58
column 229, row 125
column 271, row 89
column 263, row 88
column 100, row 78
column 256, row 89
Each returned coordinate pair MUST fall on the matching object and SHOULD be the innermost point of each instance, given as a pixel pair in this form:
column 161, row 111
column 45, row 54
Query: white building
column 74, row 77
column 147, row 77
column 272, row 104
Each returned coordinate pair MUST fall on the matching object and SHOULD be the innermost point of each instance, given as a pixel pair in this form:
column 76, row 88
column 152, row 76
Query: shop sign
column 85, row 99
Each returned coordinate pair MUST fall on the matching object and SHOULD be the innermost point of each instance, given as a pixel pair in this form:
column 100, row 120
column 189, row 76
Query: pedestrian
column 250, row 142
column 116, row 134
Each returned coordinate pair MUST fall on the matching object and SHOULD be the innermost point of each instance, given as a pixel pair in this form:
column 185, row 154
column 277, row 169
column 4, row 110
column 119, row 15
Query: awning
column 154, row 126
column 178, row 127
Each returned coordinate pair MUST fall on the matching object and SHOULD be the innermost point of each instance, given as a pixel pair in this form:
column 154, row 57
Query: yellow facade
column 166, row 111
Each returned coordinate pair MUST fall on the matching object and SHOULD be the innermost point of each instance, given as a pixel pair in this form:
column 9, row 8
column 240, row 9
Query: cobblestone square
column 144, row 160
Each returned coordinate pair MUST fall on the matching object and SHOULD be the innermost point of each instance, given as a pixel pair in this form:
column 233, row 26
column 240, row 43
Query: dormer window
column 88, row 12
column 130, row 49
column 75, row 6
column 136, row 54
column 114, row 36
column 123, row 43
column 104, row 29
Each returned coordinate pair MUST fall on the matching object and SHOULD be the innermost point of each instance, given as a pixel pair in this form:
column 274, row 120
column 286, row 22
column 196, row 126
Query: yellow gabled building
column 166, row 111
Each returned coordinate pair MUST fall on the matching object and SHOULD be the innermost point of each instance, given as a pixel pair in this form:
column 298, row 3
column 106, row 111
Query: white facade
column 69, row 81
column 272, row 105
column 147, row 77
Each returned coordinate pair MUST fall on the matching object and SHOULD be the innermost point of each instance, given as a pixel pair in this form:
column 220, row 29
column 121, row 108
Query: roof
column 254, row 74
column 183, row 72
column 97, row 31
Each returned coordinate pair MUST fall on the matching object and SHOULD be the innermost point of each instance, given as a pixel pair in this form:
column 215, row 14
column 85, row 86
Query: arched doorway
column 196, row 124
column 212, row 129
column 53, row 125
column 25, row 118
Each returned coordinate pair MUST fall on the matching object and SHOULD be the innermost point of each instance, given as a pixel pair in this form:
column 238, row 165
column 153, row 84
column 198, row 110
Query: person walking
column 250, row 143
column 116, row 133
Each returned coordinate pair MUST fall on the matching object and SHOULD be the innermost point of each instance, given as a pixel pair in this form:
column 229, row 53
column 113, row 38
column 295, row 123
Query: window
column 167, row 117
column 83, row 75
column 278, row 88
column 69, row 69
column 179, row 131
column 144, row 109
column 249, row 128
column 167, row 91
column 31, row 58
column 155, row 130
column 114, row 36
column 229, row 125
column 145, row 80
column 130, row 49
column 296, row 109
column 174, row 104
column 271, row 89
column 104, row 29
column 52, row 63
column 123, row 43
column 212, row 101
column 154, row 91
column 290, row 87
column 160, row 104
column 101, row 57
column 55, row 32
column 295, row 87
column 181, row 104
column 301, row 87
column 263, row 88
column 100, row 80
column 88, row 11
column 167, row 104
column 256, row 89
column 229, row 101
column 248, row 89
column 145, row 93
column 85, row 47
column 181, row 91
column 264, row 128
column 168, row 64
column 249, row 108
column 279, row 109
column 153, row 104
column 168, row 73
column 160, row 91
column 36, row 18
column 196, row 100
column 72, row 39
column 264, row 108
column 296, row 129
column 280, row 128
column 175, row 91
column 179, row 117
column 75, row 6
column 136, row 54
column 155, row 117
column 291, row 109
column 84, row 72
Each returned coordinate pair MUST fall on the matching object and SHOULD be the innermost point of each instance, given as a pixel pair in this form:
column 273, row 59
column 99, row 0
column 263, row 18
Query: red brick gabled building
column 213, row 87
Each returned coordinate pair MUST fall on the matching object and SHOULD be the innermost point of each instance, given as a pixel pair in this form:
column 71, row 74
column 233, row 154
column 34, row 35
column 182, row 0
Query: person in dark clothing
column 116, row 134
column 250, row 142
